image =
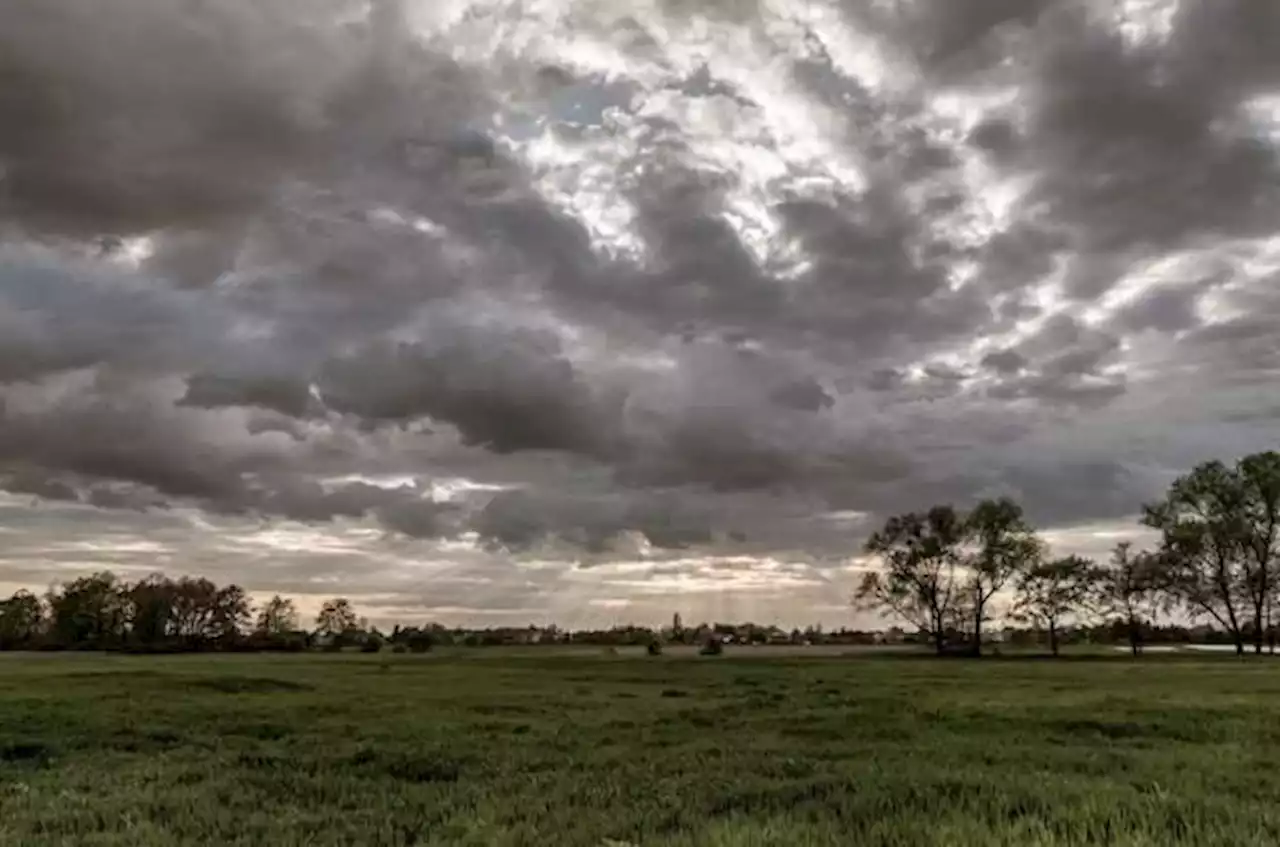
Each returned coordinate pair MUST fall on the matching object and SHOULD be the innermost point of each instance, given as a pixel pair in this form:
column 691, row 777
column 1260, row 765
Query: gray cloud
column 319, row 265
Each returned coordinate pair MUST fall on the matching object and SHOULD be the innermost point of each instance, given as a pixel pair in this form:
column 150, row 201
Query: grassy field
column 534, row 748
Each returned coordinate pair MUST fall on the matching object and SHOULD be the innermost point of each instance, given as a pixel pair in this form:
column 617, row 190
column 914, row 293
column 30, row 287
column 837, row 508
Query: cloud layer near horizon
column 597, row 281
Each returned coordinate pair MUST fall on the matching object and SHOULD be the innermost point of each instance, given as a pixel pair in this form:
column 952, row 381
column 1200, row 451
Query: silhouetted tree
column 1204, row 560
column 90, row 612
column 921, row 579
column 1127, row 588
column 1050, row 592
column 22, row 621
column 232, row 612
column 1004, row 545
column 337, row 620
column 1259, row 478
column 151, row 611
column 277, row 617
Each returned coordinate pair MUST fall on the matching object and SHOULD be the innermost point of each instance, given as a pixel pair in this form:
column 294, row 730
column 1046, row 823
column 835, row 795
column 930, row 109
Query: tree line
column 943, row 570
column 163, row 614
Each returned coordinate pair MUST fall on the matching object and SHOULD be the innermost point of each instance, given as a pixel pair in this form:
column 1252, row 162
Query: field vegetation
column 529, row 747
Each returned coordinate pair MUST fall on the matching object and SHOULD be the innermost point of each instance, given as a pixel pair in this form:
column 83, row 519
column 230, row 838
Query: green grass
column 534, row 748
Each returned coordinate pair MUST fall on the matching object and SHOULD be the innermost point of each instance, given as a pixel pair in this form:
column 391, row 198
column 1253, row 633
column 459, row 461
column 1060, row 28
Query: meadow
column 534, row 747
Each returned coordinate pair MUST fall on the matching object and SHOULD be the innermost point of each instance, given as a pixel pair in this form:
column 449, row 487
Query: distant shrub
column 371, row 645
column 399, row 648
column 420, row 642
column 713, row 647
column 654, row 648
column 332, row 647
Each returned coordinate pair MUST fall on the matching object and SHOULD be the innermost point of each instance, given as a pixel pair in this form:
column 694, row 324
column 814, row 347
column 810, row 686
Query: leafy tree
column 1259, row 479
column 1204, row 550
column 22, row 621
column 231, row 614
column 151, row 610
column 1004, row 546
column 277, row 617
column 91, row 612
column 1128, row 588
column 337, row 619
column 921, row 580
column 1049, row 593
column 195, row 604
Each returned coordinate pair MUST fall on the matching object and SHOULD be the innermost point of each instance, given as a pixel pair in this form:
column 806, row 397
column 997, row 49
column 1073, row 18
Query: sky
column 592, row 311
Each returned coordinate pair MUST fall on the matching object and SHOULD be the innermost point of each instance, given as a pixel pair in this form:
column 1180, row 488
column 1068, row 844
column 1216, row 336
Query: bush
column 371, row 645
column 713, row 647
column 654, row 648
column 399, row 648
column 420, row 642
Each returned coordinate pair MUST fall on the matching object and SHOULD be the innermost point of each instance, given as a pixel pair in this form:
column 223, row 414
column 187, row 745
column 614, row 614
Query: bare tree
column 921, row 580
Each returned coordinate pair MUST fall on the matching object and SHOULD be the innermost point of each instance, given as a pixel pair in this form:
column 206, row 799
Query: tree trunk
column 1053, row 639
column 1135, row 638
column 977, row 626
column 939, row 645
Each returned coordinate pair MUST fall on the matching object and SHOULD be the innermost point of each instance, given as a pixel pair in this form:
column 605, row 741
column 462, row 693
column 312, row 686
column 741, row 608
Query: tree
column 1259, row 479
column 1128, row 588
column 277, row 618
column 1051, row 592
column 151, row 610
column 195, row 606
column 21, row 621
column 920, row 579
column 1004, row 545
column 336, row 619
column 231, row 614
column 91, row 612
column 1204, row 557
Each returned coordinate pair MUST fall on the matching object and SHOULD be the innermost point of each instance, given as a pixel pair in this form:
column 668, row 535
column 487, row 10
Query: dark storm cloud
column 186, row 115
column 505, row 391
column 1146, row 146
column 287, row 396
column 349, row 269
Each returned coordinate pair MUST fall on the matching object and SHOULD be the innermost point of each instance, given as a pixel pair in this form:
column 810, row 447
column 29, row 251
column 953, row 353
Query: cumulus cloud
column 581, row 274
